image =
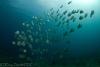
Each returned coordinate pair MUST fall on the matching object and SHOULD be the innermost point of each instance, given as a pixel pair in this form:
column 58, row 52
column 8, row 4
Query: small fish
column 61, row 6
column 51, row 9
column 60, row 16
column 92, row 13
column 69, row 2
column 77, row 11
column 81, row 11
column 79, row 26
column 52, row 13
column 57, row 11
column 24, row 50
column 72, row 17
column 64, row 12
column 63, row 18
column 73, row 11
column 69, row 14
column 71, row 30
column 23, row 24
column 13, row 42
column 85, row 15
column 81, row 18
column 17, row 32
column 18, row 43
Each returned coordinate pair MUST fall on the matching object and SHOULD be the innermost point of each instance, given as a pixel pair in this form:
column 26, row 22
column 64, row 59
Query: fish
column 61, row 6
column 42, row 32
column 81, row 18
column 92, row 13
column 72, row 17
column 60, row 16
column 57, row 11
column 24, row 50
column 69, row 14
column 73, row 12
column 69, row 2
column 77, row 11
column 23, row 44
column 64, row 12
column 51, row 9
column 13, row 42
column 79, row 26
column 67, row 20
column 63, row 19
column 85, row 15
column 17, row 32
column 81, row 11
column 52, row 13
column 23, row 24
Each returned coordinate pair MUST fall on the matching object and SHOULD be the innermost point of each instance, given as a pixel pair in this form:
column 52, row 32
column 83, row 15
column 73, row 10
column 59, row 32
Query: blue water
column 84, row 42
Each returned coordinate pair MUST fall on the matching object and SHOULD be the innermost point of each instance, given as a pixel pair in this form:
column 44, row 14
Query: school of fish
column 35, row 35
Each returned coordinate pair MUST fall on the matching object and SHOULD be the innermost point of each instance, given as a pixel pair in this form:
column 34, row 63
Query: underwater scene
column 49, row 33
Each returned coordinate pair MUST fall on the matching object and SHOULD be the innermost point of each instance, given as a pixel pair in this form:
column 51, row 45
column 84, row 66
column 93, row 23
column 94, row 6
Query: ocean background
column 85, row 43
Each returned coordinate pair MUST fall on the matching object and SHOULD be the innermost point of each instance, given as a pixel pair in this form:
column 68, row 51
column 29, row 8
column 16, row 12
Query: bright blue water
column 84, row 42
